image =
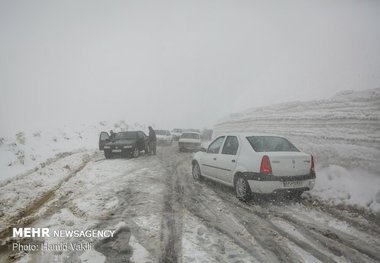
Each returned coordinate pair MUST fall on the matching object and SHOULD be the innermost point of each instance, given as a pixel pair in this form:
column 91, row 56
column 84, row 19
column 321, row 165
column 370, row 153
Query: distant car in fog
column 164, row 137
column 176, row 133
column 189, row 141
column 255, row 163
column 129, row 143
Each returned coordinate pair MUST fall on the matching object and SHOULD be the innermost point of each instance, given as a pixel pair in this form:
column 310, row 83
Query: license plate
column 292, row 184
column 116, row 151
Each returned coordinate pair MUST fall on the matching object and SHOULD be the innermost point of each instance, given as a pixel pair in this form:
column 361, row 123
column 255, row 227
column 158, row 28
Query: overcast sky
column 178, row 63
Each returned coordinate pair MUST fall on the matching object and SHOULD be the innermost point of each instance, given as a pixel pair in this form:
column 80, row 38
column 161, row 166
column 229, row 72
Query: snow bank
column 24, row 194
column 343, row 134
column 27, row 150
column 337, row 185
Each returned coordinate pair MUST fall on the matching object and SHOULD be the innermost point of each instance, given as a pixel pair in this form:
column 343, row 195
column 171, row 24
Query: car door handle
column 233, row 161
column 215, row 159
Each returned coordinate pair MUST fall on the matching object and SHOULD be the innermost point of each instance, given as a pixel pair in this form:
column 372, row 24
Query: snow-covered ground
column 343, row 134
column 28, row 150
column 161, row 215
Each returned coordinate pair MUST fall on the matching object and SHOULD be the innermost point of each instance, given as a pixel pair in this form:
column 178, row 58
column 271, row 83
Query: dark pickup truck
column 129, row 143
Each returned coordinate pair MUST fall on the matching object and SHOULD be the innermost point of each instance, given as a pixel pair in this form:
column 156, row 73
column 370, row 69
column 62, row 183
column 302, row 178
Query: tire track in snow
column 171, row 223
column 335, row 241
column 27, row 215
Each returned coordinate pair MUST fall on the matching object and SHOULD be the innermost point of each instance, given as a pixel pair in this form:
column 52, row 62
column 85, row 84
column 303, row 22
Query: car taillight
column 312, row 164
column 265, row 167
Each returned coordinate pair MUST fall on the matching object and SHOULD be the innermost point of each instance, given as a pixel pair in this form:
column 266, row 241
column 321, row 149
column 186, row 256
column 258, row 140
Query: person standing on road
column 152, row 141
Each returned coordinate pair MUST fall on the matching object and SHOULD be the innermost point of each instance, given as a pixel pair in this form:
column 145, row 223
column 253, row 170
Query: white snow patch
column 336, row 185
column 306, row 256
column 92, row 256
column 201, row 244
column 140, row 254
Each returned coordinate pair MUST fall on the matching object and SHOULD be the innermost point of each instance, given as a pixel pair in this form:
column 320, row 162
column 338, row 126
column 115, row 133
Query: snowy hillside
column 343, row 134
column 30, row 150
column 344, row 130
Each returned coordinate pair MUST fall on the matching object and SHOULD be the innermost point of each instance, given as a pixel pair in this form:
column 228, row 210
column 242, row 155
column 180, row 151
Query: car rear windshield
column 125, row 135
column 271, row 144
column 190, row 136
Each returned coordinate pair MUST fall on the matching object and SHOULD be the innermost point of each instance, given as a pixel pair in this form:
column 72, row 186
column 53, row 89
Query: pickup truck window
column 271, row 144
column 231, row 145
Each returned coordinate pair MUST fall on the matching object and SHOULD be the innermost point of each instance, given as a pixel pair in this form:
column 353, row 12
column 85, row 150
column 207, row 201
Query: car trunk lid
column 289, row 163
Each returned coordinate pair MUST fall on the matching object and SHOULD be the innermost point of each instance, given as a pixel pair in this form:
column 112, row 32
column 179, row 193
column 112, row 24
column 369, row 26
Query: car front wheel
column 197, row 172
column 107, row 154
column 136, row 152
column 242, row 189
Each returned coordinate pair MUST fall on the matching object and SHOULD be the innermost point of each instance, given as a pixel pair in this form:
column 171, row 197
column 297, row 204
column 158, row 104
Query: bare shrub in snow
column 20, row 137
column 21, row 156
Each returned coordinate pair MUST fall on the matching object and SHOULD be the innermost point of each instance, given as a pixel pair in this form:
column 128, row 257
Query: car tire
column 196, row 171
column 242, row 189
column 108, row 155
column 136, row 152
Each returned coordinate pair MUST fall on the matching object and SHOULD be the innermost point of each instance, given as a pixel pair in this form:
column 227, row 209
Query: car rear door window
column 215, row 145
column 231, row 145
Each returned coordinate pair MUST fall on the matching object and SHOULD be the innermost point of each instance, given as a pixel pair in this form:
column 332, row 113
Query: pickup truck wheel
column 197, row 172
column 242, row 189
column 136, row 152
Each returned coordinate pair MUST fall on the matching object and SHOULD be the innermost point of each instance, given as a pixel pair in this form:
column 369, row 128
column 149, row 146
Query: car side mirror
column 203, row 149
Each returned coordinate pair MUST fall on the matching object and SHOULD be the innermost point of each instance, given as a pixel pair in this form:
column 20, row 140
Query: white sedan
column 189, row 141
column 255, row 163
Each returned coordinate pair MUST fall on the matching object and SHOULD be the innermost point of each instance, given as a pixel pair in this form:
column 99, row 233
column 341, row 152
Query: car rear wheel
column 242, row 189
column 197, row 172
column 136, row 152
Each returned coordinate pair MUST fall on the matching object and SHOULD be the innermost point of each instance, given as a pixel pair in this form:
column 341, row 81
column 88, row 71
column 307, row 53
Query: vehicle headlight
column 107, row 147
column 127, row 147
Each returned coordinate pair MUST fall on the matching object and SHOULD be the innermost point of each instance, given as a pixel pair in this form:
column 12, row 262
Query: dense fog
column 175, row 63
